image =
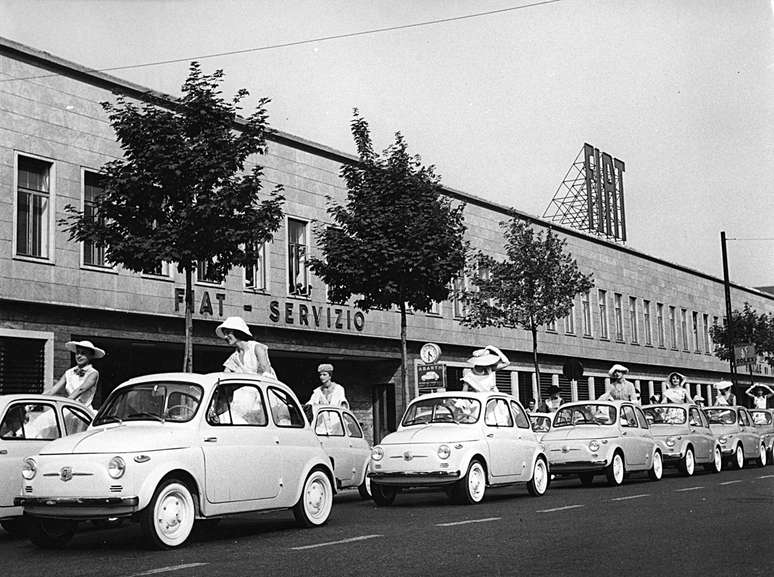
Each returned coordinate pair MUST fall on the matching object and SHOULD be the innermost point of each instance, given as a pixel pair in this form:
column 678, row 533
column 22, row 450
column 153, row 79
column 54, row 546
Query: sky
column 681, row 90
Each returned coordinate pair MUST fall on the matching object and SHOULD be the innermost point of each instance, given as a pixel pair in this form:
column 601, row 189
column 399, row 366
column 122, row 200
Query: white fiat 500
column 172, row 448
column 462, row 442
column 610, row 437
column 27, row 424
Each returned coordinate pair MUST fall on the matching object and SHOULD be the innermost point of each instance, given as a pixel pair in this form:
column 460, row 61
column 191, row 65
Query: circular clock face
column 429, row 353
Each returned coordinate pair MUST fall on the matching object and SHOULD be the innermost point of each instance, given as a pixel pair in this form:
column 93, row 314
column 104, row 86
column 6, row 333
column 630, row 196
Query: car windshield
column 721, row 416
column 666, row 415
column 761, row 417
column 590, row 414
column 163, row 401
column 540, row 424
column 442, row 410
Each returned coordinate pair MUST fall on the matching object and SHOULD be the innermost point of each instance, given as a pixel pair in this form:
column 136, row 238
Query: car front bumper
column 415, row 478
column 78, row 507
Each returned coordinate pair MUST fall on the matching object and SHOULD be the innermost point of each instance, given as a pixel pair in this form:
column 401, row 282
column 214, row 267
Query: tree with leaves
column 397, row 241
column 181, row 193
column 535, row 285
column 747, row 326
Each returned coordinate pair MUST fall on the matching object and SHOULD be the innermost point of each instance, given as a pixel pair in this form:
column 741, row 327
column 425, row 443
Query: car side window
column 744, row 419
column 641, row 418
column 31, row 421
column 704, row 420
column 497, row 414
column 353, row 427
column 694, row 418
column 285, row 412
column 75, row 420
column 329, row 424
column 522, row 421
column 627, row 417
column 237, row 404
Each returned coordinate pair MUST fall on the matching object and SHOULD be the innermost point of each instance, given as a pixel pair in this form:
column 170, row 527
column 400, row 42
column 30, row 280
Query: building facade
column 649, row 314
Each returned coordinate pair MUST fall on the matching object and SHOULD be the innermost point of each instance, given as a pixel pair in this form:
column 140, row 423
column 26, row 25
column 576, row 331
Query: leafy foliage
column 747, row 326
column 180, row 194
column 396, row 240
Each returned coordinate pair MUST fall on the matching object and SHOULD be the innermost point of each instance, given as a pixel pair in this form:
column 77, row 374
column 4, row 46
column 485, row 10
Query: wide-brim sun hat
column 72, row 346
column 680, row 375
column 698, row 398
column 617, row 367
column 489, row 356
column 722, row 385
column 233, row 324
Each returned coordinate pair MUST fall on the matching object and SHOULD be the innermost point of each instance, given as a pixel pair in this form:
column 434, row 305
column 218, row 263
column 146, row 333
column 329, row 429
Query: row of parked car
column 177, row 450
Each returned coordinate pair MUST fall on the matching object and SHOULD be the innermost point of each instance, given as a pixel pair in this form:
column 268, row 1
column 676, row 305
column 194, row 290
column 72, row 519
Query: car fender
column 364, row 470
column 311, row 464
column 188, row 460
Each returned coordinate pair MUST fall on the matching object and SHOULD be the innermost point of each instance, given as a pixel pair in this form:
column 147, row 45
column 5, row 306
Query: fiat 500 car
column 740, row 441
column 763, row 420
column 27, row 424
column 461, row 443
column 541, row 422
column 342, row 438
column 169, row 449
column 684, row 434
column 613, row 438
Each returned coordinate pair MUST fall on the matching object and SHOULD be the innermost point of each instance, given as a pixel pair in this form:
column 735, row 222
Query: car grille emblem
column 66, row 474
column 408, row 456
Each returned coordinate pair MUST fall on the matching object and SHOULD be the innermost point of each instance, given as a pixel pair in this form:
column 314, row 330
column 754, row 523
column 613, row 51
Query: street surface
column 715, row 525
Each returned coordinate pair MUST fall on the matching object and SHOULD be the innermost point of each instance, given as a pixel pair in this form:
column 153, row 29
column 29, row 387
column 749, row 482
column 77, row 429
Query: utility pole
column 727, row 286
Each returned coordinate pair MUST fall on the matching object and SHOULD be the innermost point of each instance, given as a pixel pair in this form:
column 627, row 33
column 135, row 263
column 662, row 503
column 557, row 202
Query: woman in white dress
column 249, row 355
column 80, row 382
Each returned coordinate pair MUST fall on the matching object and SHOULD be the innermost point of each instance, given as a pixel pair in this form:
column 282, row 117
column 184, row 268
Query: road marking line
column 560, row 509
column 351, row 540
column 688, row 489
column 766, row 476
column 455, row 523
column 631, row 497
column 172, row 568
column 731, row 482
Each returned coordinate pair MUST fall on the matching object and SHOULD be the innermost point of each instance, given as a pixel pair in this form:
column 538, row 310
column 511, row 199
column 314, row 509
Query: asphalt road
column 715, row 525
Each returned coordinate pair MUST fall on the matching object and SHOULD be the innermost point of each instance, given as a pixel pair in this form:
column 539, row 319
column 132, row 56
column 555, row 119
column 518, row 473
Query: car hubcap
column 657, row 465
column 617, row 469
column 316, row 498
column 541, row 478
column 476, row 482
column 718, row 460
column 763, row 455
column 689, row 463
column 172, row 514
column 739, row 457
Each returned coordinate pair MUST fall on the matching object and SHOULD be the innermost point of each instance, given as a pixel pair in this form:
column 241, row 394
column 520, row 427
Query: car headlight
column 670, row 442
column 116, row 467
column 594, row 446
column 29, row 469
column 377, row 453
column 723, row 439
column 444, row 452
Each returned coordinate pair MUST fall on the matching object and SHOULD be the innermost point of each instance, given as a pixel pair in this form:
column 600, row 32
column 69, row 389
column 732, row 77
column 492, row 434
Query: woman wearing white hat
column 485, row 363
column 80, row 382
column 676, row 391
column 760, row 395
column 725, row 396
column 250, row 356
column 620, row 389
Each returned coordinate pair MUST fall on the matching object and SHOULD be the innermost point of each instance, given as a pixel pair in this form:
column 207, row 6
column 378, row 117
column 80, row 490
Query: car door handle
column 276, row 440
column 211, row 440
column 3, row 452
column 490, row 435
column 624, row 433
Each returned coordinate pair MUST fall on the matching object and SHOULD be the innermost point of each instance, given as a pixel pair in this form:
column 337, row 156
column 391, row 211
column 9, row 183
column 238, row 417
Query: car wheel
column 316, row 501
column 616, row 470
column 383, row 495
column 168, row 519
column 586, row 479
column 688, row 463
column 717, row 462
column 50, row 533
column 471, row 488
column 737, row 461
column 657, row 469
column 541, row 478
column 14, row 526
column 762, row 457
column 364, row 489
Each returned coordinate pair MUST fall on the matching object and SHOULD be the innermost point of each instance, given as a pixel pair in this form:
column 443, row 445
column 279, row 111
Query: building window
column 205, row 272
column 695, row 330
column 603, row 314
column 705, row 329
column 660, row 323
column 569, row 321
column 298, row 281
column 435, row 308
column 92, row 188
column 618, row 313
column 586, row 312
column 33, row 187
column 460, row 285
column 551, row 326
column 256, row 276
column 633, row 319
column 672, row 327
column 161, row 269
column 646, row 322
column 684, row 327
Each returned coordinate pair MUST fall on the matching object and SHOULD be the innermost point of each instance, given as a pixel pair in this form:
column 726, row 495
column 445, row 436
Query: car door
column 241, row 452
column 749, row 434
column 330, row 428
column 700, row 435
column 25, row 427
column 296, row 441
column 74, row 419
column 358, row 446
column 631, row 440
column 526, row 440
column 501, row 439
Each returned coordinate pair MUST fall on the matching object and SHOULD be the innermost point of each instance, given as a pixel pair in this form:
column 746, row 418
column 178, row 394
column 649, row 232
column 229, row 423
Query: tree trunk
column 533, row 330
column 403, row 357
column 188, row 357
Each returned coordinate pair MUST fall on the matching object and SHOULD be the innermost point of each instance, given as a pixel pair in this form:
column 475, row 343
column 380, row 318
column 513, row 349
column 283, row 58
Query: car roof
column 467, row 394
column 669, row 405
column 548, row 415
column 596, row 402
column 207, row 381
column 6, row 399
